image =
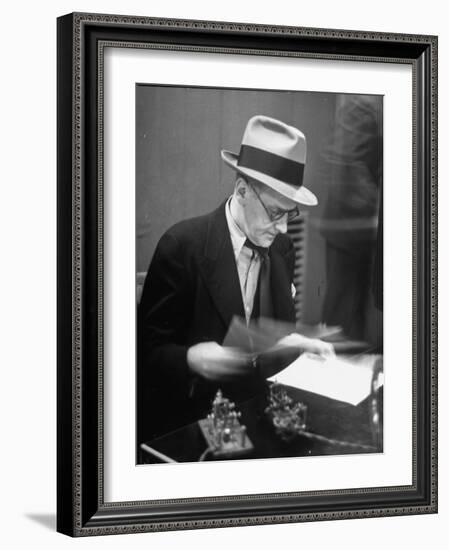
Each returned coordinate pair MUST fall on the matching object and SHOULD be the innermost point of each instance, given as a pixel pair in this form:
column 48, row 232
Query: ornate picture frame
column 82, row 509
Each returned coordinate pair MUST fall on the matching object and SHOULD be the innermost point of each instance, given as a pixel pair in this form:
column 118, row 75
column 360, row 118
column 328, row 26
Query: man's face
column 265, row 213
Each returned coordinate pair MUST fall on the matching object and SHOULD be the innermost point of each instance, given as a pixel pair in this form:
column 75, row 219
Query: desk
column 332, row 421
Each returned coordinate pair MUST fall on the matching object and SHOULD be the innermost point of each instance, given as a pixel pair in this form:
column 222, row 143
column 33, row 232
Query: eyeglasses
column 279, row 213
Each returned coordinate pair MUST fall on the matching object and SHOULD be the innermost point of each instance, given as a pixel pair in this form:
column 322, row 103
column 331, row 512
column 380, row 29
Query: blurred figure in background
column 353, row 162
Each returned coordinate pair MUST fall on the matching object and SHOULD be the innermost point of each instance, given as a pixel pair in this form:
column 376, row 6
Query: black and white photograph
column 222, row 290
column 259, row 273
column 247, row 306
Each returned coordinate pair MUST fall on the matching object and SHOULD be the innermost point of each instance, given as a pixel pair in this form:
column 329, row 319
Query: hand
column 217, row 363
column 318, row 347
column 309, row 345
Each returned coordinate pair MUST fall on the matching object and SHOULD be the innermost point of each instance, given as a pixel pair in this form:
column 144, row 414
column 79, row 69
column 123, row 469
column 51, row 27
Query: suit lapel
column 283, row 306
column 219, row 268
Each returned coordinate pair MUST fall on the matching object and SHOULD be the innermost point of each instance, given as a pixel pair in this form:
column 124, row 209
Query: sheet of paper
column 347, row 380
column 257, row 337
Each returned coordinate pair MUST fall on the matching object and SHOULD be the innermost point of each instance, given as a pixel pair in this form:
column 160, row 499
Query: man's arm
column 162, row 314
column 297, row 343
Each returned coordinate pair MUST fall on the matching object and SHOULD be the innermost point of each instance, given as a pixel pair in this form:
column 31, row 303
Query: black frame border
column 81, row 510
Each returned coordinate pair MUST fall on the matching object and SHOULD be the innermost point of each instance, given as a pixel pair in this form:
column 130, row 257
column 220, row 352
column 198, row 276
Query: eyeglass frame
column 291, row 214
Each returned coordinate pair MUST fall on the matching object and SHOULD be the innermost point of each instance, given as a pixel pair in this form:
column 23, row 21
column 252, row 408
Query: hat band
column 275, row 166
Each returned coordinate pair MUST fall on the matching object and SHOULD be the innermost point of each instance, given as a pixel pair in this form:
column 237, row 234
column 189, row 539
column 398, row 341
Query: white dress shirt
column 248, row 262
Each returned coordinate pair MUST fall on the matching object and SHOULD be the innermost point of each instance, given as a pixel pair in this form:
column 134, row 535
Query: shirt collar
column 238, row 238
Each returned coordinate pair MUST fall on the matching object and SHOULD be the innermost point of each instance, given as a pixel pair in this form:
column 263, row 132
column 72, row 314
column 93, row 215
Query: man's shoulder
column 190, row 235
column 189, row 229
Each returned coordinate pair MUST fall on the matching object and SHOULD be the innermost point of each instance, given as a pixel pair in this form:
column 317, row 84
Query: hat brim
column 301, row 195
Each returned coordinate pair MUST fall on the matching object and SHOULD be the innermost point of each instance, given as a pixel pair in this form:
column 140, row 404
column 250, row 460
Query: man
column 235, row 261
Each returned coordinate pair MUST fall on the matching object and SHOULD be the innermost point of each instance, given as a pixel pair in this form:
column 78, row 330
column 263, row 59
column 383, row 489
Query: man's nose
column 281, row 225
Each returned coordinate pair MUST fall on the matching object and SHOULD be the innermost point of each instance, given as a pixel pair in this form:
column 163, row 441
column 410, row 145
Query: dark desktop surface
column 332, row 428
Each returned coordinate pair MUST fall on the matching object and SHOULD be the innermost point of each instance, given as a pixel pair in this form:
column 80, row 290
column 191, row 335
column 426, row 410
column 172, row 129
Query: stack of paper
column 347, row 380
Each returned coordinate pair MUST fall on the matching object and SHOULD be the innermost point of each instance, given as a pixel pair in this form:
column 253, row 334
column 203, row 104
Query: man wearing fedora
column 235, row 261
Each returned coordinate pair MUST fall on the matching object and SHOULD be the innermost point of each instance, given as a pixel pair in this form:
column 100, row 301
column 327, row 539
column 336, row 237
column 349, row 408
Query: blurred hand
column 318, row 347
column 217, row 363
column 309, row 345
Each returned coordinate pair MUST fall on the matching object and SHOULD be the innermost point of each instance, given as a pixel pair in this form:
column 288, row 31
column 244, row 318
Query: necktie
column 264, row 285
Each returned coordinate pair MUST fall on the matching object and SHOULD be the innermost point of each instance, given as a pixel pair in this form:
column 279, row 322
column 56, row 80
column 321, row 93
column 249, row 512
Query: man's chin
column 265, row 241
column 268, row 241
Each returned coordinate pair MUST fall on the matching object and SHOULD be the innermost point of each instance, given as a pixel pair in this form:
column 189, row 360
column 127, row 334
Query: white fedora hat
column 274, row 154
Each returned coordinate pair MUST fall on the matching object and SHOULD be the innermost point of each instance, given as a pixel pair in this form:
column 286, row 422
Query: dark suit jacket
column 190, row 295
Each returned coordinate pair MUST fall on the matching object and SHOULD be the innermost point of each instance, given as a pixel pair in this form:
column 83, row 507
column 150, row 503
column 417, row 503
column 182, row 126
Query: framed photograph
column 247, row 288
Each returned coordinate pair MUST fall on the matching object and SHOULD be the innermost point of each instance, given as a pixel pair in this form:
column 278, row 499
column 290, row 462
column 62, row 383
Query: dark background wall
column 180, row 132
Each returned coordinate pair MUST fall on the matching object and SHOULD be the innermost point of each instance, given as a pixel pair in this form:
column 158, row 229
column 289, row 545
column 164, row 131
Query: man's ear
column 241, row 188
